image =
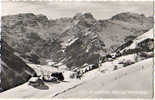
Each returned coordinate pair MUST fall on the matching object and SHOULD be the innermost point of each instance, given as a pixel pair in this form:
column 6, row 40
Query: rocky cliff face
column 28, row 35
column 14, row 71
column 73, row 41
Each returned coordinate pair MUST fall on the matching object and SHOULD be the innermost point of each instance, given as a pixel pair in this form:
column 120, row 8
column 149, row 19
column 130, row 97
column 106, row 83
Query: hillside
column 142, row 45
column 143, row 41
column 37, row 38
column 100, row 84
column 117, row 84
column 14, row 71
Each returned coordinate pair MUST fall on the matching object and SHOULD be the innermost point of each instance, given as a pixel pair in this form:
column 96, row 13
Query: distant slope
column 142, row 43
column 122, row 25
column 141, row 38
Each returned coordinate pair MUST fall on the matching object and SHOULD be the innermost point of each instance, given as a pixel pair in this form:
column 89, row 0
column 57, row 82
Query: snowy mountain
column 37, row 38
column 144, row 37
column 142, row 43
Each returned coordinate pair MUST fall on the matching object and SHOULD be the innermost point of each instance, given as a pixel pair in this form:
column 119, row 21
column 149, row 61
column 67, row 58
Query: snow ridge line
column 67, row 89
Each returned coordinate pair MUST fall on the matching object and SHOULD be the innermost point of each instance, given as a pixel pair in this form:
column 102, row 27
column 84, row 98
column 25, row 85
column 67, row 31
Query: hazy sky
column 100, row 10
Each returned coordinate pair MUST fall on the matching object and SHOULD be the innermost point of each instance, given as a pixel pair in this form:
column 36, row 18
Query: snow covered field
column 132, row 81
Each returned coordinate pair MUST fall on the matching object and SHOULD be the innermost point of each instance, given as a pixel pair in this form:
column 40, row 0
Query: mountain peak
column 26, row 14
column 27, row 19
column 128, row 16
column 84, row 19
column 83, row 15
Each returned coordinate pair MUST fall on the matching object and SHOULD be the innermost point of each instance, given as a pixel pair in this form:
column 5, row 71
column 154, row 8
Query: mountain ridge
column 49, row 39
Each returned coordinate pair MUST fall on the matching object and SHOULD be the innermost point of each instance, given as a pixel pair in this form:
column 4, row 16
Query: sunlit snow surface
column 135, row 80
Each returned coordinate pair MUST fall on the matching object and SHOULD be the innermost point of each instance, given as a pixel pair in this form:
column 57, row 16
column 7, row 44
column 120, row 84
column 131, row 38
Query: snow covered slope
column 95, row 84
column 134, row 81
column 147, row 35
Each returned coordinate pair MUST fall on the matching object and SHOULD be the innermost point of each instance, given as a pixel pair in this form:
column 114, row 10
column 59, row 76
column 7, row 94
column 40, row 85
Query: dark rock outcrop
column 146, row 45
column 14, row 71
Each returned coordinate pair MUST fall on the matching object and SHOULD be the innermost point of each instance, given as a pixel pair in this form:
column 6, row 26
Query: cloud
column 100, row 10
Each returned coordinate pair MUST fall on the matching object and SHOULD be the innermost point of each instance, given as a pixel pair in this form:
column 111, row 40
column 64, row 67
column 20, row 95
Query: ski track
column 67, row 89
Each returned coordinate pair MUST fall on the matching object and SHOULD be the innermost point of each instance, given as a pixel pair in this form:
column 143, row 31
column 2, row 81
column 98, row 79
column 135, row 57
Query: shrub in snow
column 128, row 62
column 72, row 75
column 115, row 67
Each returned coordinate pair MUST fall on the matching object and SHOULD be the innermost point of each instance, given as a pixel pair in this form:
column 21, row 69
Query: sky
column 54, row 10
